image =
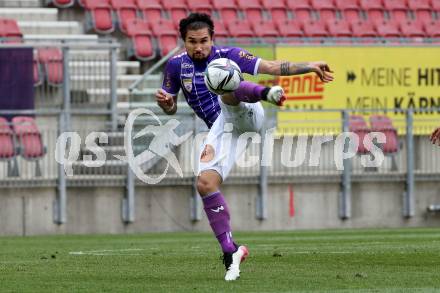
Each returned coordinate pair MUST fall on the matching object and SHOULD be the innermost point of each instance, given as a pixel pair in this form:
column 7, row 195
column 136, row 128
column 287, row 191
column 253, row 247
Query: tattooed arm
column 288, row 68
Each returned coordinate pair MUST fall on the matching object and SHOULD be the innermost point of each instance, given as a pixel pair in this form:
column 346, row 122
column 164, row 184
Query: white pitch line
column 106, row 251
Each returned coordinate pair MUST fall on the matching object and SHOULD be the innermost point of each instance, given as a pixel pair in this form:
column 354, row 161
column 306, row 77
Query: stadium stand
column 29, row 140
column 226, row 9
column 176, row 10
column 252, row 10
column 276, row 9
column 421, row 9
column 348, row 9
column 166, row 35
column 325, row 8
column 412, row 29
column 239, row 29
column 265, row 29
column 397, row 9
column 52, row 61
column 200, row 6
column 9, row 29
column 301, row 10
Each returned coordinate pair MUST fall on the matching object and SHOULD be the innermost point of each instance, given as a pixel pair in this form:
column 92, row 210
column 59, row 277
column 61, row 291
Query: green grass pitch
column 383, row 260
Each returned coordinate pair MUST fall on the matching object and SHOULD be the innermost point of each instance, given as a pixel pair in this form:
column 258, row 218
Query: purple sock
column 218, row 216
column 249, row 92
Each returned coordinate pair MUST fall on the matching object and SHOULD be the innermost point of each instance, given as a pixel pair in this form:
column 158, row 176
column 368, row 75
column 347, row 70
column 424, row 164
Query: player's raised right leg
column 250, row 92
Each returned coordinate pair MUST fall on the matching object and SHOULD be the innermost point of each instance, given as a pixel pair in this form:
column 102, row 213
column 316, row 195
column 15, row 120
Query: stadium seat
column 126, row 11
column 29, row 140
column 325, row 8
column 358, row 125
column 52, row 61
column 315, row 29
column 61, row 3
column 252, row 10
column 142, row 39
column 363, row 29
column 200, row 6
column 99, row 13
column 397, row 10
column 276, row 9
column 300, row 9
column 381, row 123
column 151, row 10
column 432, row 29
column 435, row 5
column 176, row 9
column 166, row 35
column 412, row 29
column 387, row 29
column 373, row 9
column 289, row 28
column 220, row 29
column 349, row 9
column 265, row 29
column 239, row 29
column 8, row 151
column 10, row 31
column 420, row 8
column 227, row 9
column 339, row 28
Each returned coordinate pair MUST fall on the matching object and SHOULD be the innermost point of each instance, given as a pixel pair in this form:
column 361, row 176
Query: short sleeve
column 171, row 83
column 247, row 62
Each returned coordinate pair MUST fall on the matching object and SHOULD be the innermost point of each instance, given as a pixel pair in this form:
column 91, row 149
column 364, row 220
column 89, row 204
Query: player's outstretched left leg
column 250, row 92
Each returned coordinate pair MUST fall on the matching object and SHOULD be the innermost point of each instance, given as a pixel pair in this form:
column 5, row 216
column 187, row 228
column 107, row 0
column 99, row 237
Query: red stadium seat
column 420, row 8
column 52, row 61
column 220, row 29
column 412, row 29
column 151, row 10
column 7, row 149
column 62, row 3
column 388, row 29
column 350, row 9
column 142, row 39
column 301, row 9
column 100, row 14
column 125, row 12
column 363, row 29
column 265, row 29
column 326, row 9
column 252, row 10
column 432, row 29
column 435, row 4
column 373, row 9
column 29, row 140
column 240, row 29
column 289, row 29
column 9, row 29
column 381, row 123
column 315, row 29
column 357, row 124
column 339, row 28
column 200, row 6
column 177, row 9
column 227, row 9
column 166, row 35
column 397, row 10
column 277, row 9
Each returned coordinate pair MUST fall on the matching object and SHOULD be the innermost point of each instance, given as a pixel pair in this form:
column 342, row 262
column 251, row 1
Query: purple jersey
column 183, row 72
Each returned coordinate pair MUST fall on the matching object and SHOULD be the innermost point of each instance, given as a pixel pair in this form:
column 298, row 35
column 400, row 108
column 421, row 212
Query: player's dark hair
column 196, row 21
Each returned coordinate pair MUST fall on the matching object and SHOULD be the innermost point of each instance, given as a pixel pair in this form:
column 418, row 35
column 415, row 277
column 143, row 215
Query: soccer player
column 242, row 108
column 435, row 136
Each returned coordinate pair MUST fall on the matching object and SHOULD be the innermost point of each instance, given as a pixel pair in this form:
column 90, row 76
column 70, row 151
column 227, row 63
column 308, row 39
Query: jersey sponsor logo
column 187, row 75
column 246, row 55
column 200, row 74
column 187, row 83
column 187, row 65
column 217, row 210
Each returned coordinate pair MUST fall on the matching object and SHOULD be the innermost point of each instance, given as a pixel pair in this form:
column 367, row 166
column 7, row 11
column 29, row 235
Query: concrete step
column 122, row 67
column 111, row 167
column 30, row 14
column 19, row 3
column 103, row 94
column 50, row 27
